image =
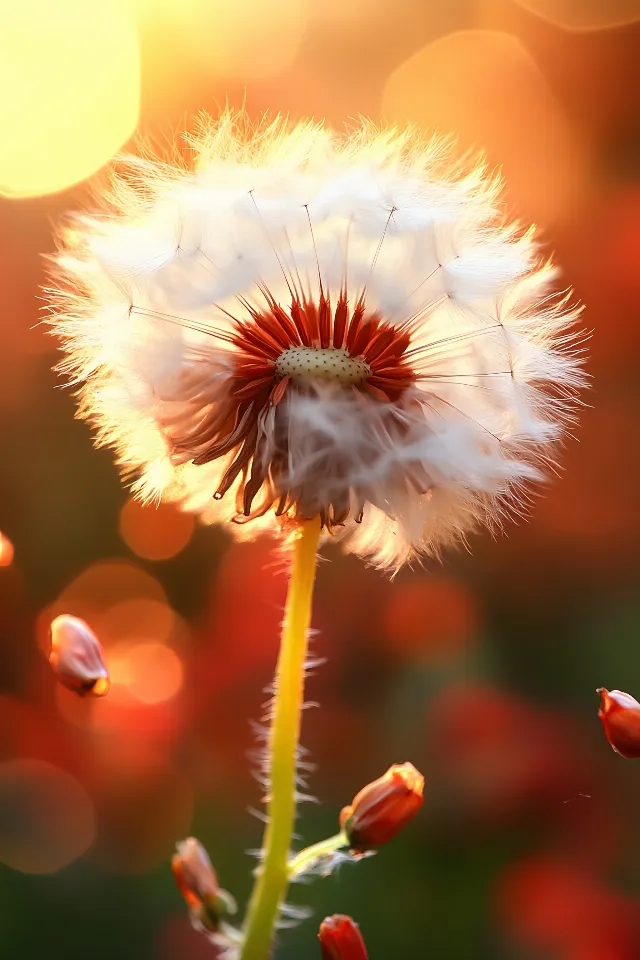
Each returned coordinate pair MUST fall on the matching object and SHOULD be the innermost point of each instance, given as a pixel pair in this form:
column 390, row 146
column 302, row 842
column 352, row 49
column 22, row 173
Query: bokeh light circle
column 99, row 589
column 246, row 39
column 585, row 14
column 46, row 817
column 484, row 87
column 150, row 672
column 6, row 551
column 155, row 532
column 70, row 76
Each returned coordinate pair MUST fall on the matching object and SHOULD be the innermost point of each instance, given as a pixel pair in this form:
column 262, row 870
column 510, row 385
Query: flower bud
column 340, row 939
column 383, row 807
column 76, row 657
column 197, row 882
column 620, row 715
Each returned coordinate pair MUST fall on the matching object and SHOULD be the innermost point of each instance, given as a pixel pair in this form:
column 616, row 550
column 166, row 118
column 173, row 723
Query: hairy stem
column 273, row 874
column 311, row 855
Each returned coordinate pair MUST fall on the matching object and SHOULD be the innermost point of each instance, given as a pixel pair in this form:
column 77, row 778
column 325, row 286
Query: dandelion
column 304, row 333
column 76, row 657
column 302, row 325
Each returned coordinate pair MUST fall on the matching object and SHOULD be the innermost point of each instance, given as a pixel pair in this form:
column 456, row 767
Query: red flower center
column 314, row 340
column 276, row 351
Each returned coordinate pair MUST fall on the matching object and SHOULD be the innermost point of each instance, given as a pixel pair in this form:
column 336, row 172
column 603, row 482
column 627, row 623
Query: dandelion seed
column 303, row 324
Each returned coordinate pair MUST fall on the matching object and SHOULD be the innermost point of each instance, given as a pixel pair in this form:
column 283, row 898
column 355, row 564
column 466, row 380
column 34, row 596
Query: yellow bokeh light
column 70, row 76
column 245, row 39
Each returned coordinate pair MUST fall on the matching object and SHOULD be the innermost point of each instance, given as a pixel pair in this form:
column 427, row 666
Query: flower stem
column 273, row 875
column 311, row 855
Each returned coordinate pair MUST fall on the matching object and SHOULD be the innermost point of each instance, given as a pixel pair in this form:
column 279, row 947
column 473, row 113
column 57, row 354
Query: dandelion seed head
column 297, row 323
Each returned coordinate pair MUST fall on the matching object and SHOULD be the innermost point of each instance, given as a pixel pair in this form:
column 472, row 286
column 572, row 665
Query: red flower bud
column 620, row 715
column 340, row 939
column 194, row 875
column 383, row 807
column 76, row 657
column 197, row 882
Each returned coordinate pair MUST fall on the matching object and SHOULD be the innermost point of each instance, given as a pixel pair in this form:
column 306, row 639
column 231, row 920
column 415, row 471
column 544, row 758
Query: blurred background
column 482, row 671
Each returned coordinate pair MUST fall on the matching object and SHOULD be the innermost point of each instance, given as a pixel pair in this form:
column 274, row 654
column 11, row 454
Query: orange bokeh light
column 486, row 88
column 585, row 14
column 6, row 551
column 101, row 587
column 139, row 619
column 155, row 532
column 149, row 672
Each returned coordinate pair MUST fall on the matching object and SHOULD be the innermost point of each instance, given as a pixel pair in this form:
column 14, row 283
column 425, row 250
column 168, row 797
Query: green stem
column 310, row 855
column 273, row 875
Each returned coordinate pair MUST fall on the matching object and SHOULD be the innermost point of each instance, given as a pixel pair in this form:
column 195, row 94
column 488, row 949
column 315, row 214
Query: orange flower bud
column 340, row 939
column 76, row 657
column 620, row 715
column 194, row 874
column 383, row 807
column 197, row 882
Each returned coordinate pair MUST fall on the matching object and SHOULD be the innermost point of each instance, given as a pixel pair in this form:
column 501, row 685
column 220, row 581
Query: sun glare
column 73, row 72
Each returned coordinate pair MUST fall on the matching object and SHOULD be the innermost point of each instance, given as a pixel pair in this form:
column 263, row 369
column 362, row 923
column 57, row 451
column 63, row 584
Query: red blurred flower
column 620, row 715
column 76, row 657
column 383, row 807
column 340, row 939
column 500, row 756
column 558, row 906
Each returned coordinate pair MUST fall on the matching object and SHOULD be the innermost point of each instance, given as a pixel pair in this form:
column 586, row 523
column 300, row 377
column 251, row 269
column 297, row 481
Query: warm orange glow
column 95, row 596
column 484, row 87
column 430, row 617
column 6, row 551
column 155, row 532
column 48, row 818
column 246, row 38
column 74, row 709
column 69, row 71
column 150, row 672
column 139, row 619
column 585, row 14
